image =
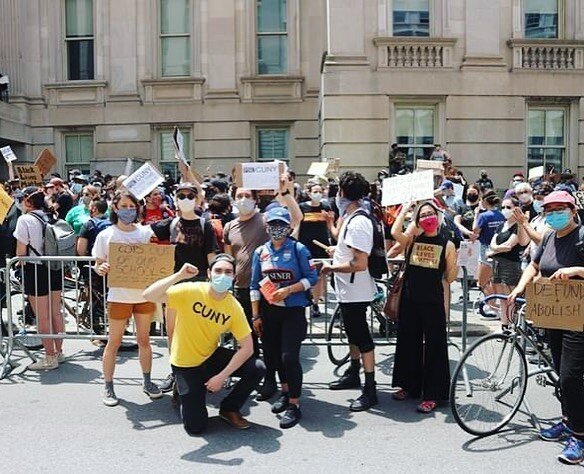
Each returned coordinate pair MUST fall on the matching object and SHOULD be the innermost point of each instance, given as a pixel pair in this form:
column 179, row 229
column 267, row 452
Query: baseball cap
column 29, row 190
column 446, row 185
column 221, row 184
column 187, row 186
column 559, row 197
column 56, row 182
column 81, row 177
column 278, row 214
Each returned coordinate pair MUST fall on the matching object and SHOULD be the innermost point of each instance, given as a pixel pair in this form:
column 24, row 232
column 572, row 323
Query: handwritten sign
column 8, row 154
column 426, row 255
column 334, row 165
column 143, row 180
column 178, row 143
column 29, row 175
column 579, row 197
column 5, row 203
column 318, row 168
column 436, row 166
column 536, row 172
column 417, row 186
column 468, row 256
column 45, row 161
column 556, row 304
column 139, row 265
column 259, row 176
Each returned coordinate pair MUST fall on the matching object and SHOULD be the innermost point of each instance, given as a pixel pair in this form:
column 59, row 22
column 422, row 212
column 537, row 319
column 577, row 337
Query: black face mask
column 472, row 197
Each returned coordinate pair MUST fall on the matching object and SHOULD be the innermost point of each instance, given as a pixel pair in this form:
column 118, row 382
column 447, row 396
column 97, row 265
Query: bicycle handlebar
column 518, row 301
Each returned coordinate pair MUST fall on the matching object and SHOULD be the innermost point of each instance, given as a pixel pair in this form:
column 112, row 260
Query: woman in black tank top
column 421, row 360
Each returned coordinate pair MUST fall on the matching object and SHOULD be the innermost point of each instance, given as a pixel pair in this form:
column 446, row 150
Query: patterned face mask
column 278, row 231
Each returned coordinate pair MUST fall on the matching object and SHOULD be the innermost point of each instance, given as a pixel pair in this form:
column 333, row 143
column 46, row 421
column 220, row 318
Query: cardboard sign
column 534, row 173
column 468, row 256
column 45, row 161
column 579, row 197
column 334, row 165
column 318, row 168
column 8, row 154
column 143, row 180
column 5, row 204
column 436, row 166
column 259, row 175
column 29, row 175
column 417, row 186
column 178, row 143
column 139, row 265
column 556, row 304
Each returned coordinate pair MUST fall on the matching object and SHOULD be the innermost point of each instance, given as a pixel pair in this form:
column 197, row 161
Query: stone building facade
column 499, row 83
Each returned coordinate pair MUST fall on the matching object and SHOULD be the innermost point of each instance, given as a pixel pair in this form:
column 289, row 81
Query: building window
column 546, row 138
column 272, row 36
column 541, row 18
column 78, row 152
column 415, row 133
column 272, row 144
column 175, row 38
column 79, row 39
column 167, row 160
column 411, row 18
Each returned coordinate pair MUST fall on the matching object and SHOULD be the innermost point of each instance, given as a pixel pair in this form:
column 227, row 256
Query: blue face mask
column 342, row 203
column 537, row 206
column 221, row 283
column 76, row 188
column 127, row 216
column 559, row 220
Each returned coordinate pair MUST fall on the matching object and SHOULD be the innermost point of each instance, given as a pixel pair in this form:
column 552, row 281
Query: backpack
column 98, row 226
column 217, row 226
column 450, row 231
column 377, row 260
column 59, row 240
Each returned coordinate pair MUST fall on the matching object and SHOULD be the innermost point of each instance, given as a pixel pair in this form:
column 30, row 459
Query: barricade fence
column 45, row 307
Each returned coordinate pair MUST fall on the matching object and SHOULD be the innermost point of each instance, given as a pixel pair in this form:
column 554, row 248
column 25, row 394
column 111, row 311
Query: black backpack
column 377, row 260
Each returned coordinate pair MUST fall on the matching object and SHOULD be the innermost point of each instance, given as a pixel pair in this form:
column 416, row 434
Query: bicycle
column 489, row 383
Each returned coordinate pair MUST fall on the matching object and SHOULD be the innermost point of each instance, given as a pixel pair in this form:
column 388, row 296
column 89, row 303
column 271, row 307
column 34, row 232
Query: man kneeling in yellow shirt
column 204, row 311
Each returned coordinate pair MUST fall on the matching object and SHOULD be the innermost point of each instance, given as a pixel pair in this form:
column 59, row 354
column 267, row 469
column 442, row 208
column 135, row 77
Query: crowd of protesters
column 254, row 264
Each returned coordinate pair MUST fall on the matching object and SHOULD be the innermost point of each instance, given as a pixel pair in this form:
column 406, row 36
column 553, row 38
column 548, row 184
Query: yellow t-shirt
column 200, row 321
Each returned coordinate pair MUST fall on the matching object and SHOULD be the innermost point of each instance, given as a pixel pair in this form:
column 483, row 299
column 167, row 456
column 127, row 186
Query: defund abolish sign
column 143, row 180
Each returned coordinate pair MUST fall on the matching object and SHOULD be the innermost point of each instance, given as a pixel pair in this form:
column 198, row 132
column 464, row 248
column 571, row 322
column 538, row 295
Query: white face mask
column 186, row 205
column 245, row 205
column 507, row 213
column 525, row 198
column 316, row 197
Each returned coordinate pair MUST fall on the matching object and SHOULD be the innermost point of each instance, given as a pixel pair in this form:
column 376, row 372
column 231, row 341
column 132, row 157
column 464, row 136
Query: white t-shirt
column 141, row 235
column 29, row 231
column 360, row 237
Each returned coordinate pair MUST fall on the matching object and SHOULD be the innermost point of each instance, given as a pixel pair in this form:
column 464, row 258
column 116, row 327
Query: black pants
column 572, row 380
column 190, row 384
column 421, row 357
column 284, row 329
column 242, row 295
column 355, row 322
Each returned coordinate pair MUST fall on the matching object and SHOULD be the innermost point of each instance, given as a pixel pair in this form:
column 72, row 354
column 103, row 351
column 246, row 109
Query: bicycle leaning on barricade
column 489, row 383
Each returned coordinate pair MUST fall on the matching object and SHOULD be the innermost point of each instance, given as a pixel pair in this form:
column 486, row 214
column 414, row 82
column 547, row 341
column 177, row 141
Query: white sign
column 468, row 256
column 417, row 186
column 178, row 142
column 318, row 168
column 143, row 180
column 8, row 154
column 536, row 173
column 458, row 190
column 260, row 176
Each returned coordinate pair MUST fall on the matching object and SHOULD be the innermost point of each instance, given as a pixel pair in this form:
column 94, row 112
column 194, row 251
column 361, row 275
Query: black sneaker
column 266, row 391
column 350, row 379
column 315, row 311
column 167, row 383
column 367, row 399
column 291, row 416
column 281, row 403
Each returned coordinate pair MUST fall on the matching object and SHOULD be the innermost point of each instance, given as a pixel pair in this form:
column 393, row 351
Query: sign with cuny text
column 143, row 180
column 29, row 175
column 139, row 265
column 260, row 175
column 8, row 154
column 45, row 161
column 579, row 197
column 411, row 187
column 556, row 304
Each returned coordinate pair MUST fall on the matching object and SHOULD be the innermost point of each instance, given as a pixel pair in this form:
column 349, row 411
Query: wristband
column 255, row 318
column 285, row 193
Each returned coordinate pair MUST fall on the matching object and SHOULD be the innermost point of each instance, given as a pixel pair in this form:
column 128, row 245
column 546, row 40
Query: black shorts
column 36, row 280
column 506, row 272
column 355, row 321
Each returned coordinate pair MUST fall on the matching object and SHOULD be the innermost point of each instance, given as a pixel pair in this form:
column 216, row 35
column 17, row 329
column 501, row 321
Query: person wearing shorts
column 124, row 303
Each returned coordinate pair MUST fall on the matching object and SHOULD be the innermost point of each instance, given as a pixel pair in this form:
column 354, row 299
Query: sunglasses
column 189, row 196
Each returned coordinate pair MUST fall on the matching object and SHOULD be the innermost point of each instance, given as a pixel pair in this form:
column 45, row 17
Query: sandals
column 400, row 395
column 427, row 406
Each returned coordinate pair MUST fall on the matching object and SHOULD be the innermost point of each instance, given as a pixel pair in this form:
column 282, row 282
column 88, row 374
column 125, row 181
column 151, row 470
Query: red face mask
column 429, row 224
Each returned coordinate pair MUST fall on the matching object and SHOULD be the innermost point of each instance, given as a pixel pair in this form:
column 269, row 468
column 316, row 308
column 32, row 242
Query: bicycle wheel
column 338, row 354
column 488, row 384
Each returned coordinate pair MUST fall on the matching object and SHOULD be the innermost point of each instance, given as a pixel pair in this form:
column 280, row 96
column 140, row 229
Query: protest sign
column 8, row 154
column 318, row 168
column 139, row 265
column 579, row 197
column 458, row 190
column 258, row 176
column 536, row 172
column 178, row 142
column 29, row 175
column 417, row 186
column 334, row 165
column 436, row 166
column 5, row 203
column 556, row 304
column 143, row 180
column 468, row 256
column 45, row 161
